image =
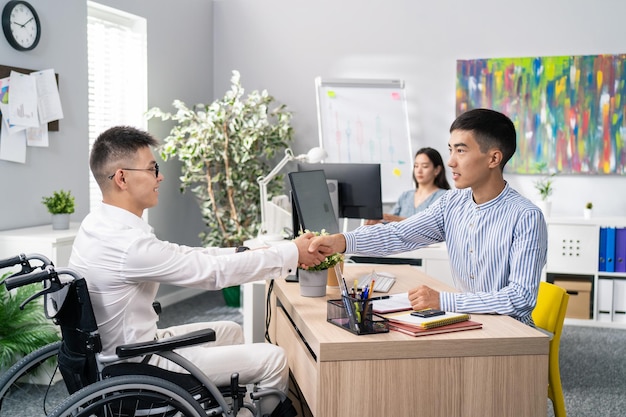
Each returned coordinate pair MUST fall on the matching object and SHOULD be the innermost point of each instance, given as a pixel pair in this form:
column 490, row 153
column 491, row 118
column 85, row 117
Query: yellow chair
column 548, row 315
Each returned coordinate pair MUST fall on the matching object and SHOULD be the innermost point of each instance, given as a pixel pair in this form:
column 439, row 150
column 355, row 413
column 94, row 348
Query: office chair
column 549, row 314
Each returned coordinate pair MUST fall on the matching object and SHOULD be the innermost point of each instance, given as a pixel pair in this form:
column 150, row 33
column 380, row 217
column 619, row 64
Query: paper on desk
column 395, row 302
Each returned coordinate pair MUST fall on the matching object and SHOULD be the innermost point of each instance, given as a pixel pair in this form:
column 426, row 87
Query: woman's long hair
column 435, row 157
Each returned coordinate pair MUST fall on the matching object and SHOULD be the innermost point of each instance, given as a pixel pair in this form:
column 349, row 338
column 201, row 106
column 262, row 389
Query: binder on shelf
column 620, row 249
column 610, row 249
column 602, row 250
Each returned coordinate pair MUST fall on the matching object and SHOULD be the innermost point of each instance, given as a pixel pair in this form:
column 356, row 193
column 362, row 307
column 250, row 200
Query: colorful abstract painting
column 568, row 110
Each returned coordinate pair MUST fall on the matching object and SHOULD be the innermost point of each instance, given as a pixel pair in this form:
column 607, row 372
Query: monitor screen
column 312, row 207
column 360, row 195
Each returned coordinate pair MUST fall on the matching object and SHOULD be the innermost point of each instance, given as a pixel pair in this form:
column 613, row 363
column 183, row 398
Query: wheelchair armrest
column 171, row 343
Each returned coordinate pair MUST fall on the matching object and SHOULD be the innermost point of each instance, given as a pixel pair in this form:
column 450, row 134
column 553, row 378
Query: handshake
column 313, row 250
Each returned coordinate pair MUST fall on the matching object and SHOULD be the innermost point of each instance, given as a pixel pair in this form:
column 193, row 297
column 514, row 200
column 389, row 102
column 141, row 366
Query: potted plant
column 313, row 280
column 60, row 204
column 545, row 187
column 22, row 331
column 587, row 210
column 224, row 147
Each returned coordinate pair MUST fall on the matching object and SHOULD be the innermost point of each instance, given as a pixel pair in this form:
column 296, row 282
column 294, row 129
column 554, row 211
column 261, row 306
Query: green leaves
column 61, row 202
column 224, row 147
column 22, row 331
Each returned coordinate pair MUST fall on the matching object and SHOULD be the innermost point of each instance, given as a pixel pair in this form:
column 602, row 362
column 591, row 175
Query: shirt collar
column 125, row 217
column 502, row 196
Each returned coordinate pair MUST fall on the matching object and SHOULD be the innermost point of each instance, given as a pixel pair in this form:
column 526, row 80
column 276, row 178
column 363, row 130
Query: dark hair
column 491, row 129
column 435, row 158
column 115, row 146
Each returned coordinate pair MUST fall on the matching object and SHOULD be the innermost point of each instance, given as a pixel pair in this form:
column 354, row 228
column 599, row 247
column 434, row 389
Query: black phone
column 429, row 312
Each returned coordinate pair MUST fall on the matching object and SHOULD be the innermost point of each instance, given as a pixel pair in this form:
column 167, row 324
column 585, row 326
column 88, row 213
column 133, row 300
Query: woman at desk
column 431, row 183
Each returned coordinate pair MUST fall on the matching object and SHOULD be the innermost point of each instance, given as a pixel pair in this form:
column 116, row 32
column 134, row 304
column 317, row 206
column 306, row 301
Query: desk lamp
column 315, row 155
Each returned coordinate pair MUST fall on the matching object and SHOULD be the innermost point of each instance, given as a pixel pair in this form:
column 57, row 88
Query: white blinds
column 117, row 71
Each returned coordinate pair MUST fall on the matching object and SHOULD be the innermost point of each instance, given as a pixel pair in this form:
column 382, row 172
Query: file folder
column 610, row 249
column 602, row 250
column 620, row 249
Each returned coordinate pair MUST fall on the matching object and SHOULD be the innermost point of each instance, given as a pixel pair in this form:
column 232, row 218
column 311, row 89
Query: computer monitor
column 312, row 208
column 360, row 195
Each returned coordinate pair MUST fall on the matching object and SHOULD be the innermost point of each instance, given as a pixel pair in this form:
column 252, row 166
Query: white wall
column 282, row 45
column 180, row 61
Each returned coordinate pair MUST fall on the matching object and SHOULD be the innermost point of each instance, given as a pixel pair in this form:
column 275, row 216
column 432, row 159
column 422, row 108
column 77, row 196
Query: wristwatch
column 241, row 249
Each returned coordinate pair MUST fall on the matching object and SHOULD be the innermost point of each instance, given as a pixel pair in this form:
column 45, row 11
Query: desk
column 500, row 370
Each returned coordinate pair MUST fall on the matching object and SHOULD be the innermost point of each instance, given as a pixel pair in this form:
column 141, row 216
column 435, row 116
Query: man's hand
column 424, row 297
column 306, row 257
column 328, row 244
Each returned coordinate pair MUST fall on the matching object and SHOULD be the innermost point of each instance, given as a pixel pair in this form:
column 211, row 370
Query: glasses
column 155, row 169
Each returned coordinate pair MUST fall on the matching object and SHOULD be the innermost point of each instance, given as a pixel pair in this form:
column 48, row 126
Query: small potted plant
column 545, row 187
column 60, row 204
column 313, row 280
column 587, row 210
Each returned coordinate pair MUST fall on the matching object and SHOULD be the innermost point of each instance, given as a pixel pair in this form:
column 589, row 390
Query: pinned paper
column 48, row 100
column 13, row 146
column 23, row 100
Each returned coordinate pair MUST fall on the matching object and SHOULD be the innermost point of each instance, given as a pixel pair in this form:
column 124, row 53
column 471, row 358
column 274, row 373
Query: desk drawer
column 301, row 363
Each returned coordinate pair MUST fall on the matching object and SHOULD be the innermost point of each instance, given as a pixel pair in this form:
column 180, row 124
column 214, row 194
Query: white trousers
column 262, row 364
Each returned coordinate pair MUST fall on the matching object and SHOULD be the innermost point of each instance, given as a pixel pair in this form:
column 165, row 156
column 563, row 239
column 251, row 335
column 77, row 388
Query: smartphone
column 429, row 312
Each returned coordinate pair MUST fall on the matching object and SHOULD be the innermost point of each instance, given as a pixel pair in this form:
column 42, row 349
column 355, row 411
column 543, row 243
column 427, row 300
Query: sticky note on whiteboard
column 395, row 95
column 397, row 172
column 331, row 94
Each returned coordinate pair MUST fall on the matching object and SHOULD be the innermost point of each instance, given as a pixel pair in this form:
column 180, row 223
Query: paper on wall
column 48, row 100
column 23, row 100
column 13, row 146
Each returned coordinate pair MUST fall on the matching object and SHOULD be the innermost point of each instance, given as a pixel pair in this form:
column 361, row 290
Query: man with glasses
column 124, row 263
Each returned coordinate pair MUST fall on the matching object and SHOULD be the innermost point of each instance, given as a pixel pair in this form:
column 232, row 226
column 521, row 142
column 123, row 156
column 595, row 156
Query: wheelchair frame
column 115, row 381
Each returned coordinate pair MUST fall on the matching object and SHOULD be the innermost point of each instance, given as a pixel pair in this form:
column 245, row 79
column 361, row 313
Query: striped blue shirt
column 497, row 249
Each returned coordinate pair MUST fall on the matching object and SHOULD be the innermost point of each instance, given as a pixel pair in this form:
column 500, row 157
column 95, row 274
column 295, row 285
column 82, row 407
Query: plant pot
column 332, row 277
column 232, row 296
column 60, row 221
column 587, row 213
column 313, row 283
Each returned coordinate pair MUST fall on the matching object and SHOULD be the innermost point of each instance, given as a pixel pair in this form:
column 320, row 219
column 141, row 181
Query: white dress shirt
column 123, row 263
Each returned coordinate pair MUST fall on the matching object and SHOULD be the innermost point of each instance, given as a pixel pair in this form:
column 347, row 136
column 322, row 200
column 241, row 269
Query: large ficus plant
column 224, row 147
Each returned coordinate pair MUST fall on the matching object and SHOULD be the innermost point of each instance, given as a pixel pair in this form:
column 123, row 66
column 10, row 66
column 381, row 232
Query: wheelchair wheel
column 25, row 387
column 129, row 396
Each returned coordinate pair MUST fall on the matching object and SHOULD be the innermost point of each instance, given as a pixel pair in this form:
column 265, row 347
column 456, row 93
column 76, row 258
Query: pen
column 382, row 297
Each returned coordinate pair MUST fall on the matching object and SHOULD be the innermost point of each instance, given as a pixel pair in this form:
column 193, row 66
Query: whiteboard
column 366, row 121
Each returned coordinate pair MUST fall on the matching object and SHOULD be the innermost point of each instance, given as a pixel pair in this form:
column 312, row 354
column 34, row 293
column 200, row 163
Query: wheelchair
column 97, row 385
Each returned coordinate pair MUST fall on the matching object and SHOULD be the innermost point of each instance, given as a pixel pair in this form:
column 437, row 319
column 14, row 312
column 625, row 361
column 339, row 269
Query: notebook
column 405, row 318
column 395, row 302
column 416, row 331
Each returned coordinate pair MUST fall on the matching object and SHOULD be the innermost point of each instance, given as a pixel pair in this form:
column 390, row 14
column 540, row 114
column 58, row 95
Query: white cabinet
column 54, row 244
column 573, row 260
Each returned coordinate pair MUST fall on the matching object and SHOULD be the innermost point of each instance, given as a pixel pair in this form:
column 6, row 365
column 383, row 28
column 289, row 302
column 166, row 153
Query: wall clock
column 21, row 25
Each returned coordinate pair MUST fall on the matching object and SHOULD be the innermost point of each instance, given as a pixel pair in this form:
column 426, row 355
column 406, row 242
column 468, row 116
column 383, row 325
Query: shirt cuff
column 350, row 242
column 447, row 301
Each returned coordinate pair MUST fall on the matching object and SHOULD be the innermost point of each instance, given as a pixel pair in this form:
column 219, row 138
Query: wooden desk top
column 500, row 335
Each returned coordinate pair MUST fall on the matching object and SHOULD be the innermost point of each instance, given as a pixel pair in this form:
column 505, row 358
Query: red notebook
column 417, row 331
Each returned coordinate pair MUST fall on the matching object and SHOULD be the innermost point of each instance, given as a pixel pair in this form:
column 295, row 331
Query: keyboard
column 382, row 283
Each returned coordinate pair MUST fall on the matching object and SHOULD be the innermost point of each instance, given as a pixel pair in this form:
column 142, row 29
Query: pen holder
column 355, row 315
